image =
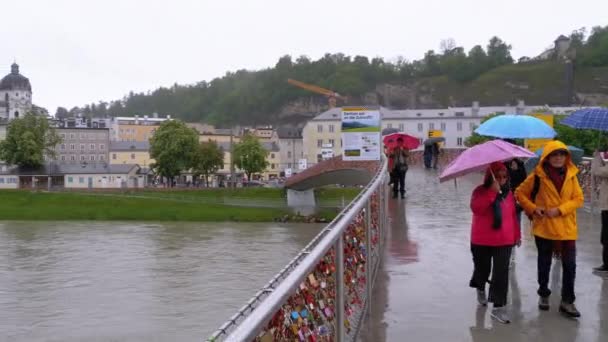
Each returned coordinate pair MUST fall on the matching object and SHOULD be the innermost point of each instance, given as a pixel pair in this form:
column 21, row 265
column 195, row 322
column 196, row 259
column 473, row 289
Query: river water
column 134, row 282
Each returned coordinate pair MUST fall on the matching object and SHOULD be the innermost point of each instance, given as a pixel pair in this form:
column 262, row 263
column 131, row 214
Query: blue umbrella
column 575, row 153
column 588, row 118
column 516, row 127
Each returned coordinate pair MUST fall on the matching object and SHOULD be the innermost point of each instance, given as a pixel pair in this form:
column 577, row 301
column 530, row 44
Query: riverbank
column 239, row 205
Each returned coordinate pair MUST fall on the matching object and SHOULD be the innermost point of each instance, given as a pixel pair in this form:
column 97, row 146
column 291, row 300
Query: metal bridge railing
column 322, row 293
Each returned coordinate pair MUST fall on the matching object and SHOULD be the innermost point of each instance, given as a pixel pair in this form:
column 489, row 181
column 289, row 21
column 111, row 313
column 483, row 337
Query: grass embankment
column 252, row 205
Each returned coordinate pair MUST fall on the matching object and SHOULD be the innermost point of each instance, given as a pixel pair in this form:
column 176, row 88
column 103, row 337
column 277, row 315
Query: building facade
column 15, row 95
column 456, row 124
column 83, row 145
column 135, row 128
column 107, row 177
column 125, row 152
column 291, row 148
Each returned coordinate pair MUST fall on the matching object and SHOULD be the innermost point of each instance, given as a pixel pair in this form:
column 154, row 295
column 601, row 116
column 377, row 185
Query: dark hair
column 487, row 182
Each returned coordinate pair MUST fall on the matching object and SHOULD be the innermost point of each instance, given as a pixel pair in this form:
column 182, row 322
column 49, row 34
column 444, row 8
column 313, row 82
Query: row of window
column 320, row 128
column 431, row 126
column 132, row 131
column 81, row 180
column 8, row 180
column 459, row 142
column 114, row 157
column 83, row 157
column 82, row 136
column 331, row 142
column 92, row 147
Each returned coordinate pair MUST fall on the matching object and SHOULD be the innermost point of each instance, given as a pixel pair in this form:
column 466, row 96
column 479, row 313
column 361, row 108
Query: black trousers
column 495, row 260
column 568, row 256
column 604, row 237
column 398, row 182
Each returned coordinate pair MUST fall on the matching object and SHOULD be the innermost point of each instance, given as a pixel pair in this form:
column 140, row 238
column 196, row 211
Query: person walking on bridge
column 436, row 152
column 399, row 157
column 550, row 196
column 494, row 232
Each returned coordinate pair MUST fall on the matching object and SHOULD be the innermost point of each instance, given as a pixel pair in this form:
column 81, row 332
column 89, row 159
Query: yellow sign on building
column 435, row 133
column 536, row 144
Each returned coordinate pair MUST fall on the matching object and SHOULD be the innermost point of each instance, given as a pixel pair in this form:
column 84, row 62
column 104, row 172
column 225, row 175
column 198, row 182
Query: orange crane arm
column 315, row 89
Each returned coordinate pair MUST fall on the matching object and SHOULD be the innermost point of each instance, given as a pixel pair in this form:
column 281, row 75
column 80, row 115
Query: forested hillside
column 451, row 77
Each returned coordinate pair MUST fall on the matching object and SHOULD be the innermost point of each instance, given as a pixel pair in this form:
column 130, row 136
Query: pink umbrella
column 478, row 158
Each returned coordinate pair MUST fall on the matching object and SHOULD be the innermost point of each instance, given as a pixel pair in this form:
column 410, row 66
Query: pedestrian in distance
column 428, row 156
column 387, row 152
column 599, row 169
column 436, row 151
column 494, row 232
column 550, row 196
column 399, row 156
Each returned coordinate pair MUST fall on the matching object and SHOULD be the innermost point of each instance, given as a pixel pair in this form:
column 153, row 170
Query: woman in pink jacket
column 494, row 232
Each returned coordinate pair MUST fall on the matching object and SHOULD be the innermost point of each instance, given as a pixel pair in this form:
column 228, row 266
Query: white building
column 85, row 176
column 456, row 123
column 291, row 148
column 15, row 95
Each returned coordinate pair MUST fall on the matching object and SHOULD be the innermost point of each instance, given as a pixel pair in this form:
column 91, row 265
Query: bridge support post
column 302, row 201
column 339, row 246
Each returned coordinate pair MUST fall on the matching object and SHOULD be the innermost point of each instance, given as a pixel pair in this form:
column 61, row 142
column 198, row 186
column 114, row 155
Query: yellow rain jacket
column 562, row 227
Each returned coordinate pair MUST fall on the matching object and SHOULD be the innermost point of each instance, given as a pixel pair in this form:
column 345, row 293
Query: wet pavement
column 422, row 293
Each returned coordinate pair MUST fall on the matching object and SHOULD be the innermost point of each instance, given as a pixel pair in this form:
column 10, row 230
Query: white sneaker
column 501, row 315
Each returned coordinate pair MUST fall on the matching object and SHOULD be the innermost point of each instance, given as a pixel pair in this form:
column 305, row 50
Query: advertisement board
column 361, row 134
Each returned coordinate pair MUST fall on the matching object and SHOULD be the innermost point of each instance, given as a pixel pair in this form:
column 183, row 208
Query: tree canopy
column 28, row 140
column 248, row 97
column 173, row 147
column 250, row 156
column 257, row 97
column 209, row 158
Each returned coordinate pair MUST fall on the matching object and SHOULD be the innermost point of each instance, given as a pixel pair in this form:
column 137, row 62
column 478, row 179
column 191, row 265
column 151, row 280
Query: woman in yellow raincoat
column 550, row 196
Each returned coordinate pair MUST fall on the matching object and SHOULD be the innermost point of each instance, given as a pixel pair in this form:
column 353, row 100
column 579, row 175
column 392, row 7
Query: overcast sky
column 77, row 52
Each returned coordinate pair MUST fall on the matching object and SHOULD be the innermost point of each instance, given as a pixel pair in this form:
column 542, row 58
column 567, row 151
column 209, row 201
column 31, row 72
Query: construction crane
column 330, row 94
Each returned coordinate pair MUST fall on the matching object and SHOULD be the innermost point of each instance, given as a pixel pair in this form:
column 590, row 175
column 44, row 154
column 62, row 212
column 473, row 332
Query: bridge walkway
column 422, row 293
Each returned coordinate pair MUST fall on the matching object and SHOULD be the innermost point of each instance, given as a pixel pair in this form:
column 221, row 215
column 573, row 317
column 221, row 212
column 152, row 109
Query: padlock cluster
column 309, row 314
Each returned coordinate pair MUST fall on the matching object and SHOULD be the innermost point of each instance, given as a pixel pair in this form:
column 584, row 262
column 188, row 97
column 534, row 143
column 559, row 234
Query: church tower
column 15, row 95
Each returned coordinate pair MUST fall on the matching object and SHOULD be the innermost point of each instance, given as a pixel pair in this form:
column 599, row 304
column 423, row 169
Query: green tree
column 209, row 158
column 28, row 140
column 250, row 156
column 173, row 147
column 61, row 113
column 499, row 52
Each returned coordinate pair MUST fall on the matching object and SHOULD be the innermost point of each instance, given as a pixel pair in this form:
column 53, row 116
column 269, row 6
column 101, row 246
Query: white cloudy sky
column 77, row 51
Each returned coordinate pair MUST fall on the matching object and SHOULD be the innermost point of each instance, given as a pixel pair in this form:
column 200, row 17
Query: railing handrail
column 297, row 269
